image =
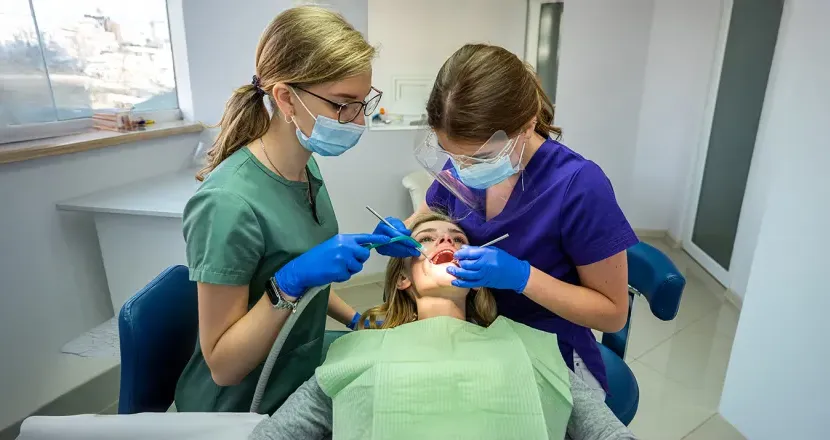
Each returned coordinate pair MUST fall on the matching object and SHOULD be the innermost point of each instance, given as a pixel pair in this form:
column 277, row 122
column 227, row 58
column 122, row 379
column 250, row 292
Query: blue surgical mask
column 329, row 137
column 486, row 174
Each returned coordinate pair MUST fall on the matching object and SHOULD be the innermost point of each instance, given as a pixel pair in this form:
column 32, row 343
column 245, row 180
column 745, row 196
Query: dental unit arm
column 262, row 383
column 279, row 342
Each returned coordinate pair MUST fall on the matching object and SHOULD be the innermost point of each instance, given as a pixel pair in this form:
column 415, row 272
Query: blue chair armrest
column 623, row 393
column 654, row 275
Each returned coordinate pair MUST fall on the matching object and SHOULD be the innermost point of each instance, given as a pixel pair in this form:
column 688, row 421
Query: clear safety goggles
column 441, row 164
column 495, row 148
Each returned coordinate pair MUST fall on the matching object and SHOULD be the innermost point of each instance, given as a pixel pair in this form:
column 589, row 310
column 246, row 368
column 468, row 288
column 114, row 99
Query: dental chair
column 158, row 331
column 653, row 275
column 650, row 274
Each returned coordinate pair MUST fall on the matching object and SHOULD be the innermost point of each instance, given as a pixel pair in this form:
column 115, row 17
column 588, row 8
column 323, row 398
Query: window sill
column 90, row 140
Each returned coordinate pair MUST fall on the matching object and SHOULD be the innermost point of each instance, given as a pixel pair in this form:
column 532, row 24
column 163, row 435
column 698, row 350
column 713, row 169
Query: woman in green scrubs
column 261, row 230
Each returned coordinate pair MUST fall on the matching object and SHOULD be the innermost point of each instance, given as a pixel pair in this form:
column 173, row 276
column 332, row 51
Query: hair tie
column 255, row 83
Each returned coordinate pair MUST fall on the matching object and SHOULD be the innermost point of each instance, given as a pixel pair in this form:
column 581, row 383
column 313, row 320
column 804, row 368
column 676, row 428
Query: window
column 62, row 60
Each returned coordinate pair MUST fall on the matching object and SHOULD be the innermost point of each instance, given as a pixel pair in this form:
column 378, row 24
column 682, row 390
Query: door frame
column 534, row 12
column 690, row 211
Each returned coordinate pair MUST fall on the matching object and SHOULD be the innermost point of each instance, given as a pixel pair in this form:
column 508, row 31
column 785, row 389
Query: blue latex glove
column 489, row 267
column 400, row 249
column 334, row 260
column 353, row 325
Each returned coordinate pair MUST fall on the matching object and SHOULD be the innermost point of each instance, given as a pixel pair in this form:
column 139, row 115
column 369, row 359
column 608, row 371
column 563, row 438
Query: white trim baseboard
column 733, row 298
column 659, row 233
column 651, row 233
column 675, row 242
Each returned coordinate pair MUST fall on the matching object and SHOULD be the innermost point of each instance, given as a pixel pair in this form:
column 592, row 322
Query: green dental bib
column 443, row 378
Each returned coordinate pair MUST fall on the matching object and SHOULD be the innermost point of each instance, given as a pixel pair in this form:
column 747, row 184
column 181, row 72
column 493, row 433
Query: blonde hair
column 302, row 46
column 399, row 307
column 482, row 89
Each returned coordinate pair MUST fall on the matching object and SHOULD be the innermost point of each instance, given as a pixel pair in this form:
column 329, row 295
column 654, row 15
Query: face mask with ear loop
column 467, row 176
column 328, row 137
column 485, row 173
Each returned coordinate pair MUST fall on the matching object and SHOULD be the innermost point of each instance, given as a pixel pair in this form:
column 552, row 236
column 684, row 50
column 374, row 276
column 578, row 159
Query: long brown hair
column 399, row 307
column 482, row 89
column 302, row 46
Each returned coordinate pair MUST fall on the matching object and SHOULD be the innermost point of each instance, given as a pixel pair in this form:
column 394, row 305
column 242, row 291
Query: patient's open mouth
column 444, row 256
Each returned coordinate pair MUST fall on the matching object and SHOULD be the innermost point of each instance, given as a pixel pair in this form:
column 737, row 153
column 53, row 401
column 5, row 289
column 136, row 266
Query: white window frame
column 534, row 12
column 43, row 130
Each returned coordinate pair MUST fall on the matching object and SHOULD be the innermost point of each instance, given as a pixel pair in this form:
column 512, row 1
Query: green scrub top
column 242, row 225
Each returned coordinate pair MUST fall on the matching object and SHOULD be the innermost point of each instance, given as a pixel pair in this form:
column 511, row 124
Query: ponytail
column 544, row 117
column 245, row 119
column 303, row 45
column 481, row 307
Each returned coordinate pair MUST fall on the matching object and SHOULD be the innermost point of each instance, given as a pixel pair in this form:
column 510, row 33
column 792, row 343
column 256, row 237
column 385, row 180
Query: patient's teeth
column 444, row 256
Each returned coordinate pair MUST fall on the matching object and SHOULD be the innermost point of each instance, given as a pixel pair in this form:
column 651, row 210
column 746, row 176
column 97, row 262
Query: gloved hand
column 400, row 249
column 353, row 325
column 489, row 267
column 334, row 260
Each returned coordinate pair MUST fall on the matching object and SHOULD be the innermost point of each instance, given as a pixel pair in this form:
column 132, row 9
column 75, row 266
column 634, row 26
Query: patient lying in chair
column 441, row 365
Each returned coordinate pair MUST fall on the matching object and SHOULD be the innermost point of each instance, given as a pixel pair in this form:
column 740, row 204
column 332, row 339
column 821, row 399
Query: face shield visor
column 468, row 176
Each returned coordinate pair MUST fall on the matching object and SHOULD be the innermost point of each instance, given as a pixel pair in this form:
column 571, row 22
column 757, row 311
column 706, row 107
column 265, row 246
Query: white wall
column 777, row 382
column 371, row 174
column 416, row 37
column 603, row 52
column 681, row 54
column 221, row 40
column 52, row 282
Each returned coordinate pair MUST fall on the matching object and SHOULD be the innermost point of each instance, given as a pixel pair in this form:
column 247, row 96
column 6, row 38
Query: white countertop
column 160, row 196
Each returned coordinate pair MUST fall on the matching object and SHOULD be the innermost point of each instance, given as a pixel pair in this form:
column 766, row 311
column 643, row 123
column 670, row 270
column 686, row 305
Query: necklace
column 308, row 180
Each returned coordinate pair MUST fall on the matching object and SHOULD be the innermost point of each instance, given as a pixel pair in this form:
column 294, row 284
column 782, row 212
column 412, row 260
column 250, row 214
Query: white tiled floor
column 680, row 365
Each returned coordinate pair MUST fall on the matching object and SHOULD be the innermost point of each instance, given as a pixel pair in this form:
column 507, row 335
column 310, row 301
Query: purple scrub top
column 566, row 216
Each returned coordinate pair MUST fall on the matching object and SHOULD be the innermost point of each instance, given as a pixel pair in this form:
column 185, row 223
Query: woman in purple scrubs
column 499, row 169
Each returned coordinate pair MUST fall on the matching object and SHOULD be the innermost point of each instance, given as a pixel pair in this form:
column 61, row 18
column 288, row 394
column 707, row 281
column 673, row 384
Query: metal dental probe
column 375, row 213
column 495, row 240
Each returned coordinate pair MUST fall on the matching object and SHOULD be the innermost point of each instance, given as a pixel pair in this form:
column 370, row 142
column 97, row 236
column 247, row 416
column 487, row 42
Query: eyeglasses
column 349, row 111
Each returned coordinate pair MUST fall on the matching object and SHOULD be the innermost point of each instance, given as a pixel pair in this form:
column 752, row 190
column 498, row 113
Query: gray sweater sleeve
column 591, row 419
column 306, row 414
